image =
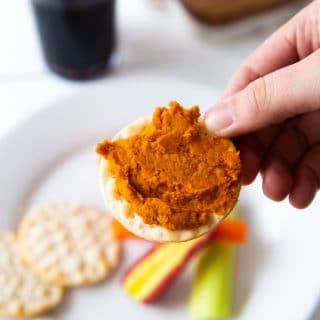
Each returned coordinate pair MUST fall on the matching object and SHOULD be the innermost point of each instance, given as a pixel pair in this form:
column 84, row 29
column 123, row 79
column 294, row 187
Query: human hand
column 272, row 107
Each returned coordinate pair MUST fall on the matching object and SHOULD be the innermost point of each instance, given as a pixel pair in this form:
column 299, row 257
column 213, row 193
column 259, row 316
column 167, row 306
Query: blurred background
column 200, row 41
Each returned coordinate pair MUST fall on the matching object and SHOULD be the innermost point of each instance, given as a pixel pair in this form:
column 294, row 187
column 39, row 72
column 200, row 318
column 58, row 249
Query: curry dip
column 171, row 173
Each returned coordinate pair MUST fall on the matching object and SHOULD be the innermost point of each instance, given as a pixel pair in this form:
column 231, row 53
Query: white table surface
column 155, row 37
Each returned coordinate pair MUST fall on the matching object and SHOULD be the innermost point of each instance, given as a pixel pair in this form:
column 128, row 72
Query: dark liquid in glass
column 77, row 36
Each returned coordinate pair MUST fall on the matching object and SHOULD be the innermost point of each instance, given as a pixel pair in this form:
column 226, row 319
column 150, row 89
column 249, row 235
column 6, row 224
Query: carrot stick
column 229, row 230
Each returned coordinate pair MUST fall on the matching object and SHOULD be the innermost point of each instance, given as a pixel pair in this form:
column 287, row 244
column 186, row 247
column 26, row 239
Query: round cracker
column 69, row 244
column 123, row 211
column 22, row 292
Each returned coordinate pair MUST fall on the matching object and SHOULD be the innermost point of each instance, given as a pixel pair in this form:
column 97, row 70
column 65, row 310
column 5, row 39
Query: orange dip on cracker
column 173, row 174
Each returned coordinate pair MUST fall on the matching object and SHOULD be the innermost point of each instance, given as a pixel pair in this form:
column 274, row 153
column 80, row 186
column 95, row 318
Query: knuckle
column 259, row 95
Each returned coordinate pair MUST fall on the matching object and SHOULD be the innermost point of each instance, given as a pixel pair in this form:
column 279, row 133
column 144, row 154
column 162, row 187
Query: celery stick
column 211, row 292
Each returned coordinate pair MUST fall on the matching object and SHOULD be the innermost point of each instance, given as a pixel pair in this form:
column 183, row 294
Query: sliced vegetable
column 229, row 230
column 211, row 292
column 152, row 274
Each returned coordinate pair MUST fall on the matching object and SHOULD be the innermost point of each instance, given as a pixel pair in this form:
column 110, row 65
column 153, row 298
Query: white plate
column 51, row 157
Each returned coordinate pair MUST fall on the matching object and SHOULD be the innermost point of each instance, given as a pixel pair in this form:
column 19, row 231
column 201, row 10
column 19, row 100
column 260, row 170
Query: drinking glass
column 77, row 36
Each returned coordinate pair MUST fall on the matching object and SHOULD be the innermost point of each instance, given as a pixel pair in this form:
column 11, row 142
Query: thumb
column 268, row 100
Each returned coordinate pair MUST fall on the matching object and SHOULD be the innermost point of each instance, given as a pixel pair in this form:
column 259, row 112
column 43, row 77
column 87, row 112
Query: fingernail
column 219, row 117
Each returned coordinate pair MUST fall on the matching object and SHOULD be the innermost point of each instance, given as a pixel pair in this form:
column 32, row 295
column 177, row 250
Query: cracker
column 69, row 244
column 22, row 292
column 123, row 212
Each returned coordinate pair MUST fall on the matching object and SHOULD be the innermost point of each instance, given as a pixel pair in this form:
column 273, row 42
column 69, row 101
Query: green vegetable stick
column 211, row 292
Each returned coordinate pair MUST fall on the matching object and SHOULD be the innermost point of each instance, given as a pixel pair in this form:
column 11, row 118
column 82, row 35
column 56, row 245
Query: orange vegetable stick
column 229, row 230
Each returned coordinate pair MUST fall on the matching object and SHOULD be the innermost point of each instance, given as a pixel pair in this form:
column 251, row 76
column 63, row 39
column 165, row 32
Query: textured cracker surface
column 22, row 292
column 69, row 244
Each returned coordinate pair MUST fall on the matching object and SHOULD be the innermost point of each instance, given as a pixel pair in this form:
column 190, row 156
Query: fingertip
column 277, row 180
column 304, row 188
column 219, row 118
